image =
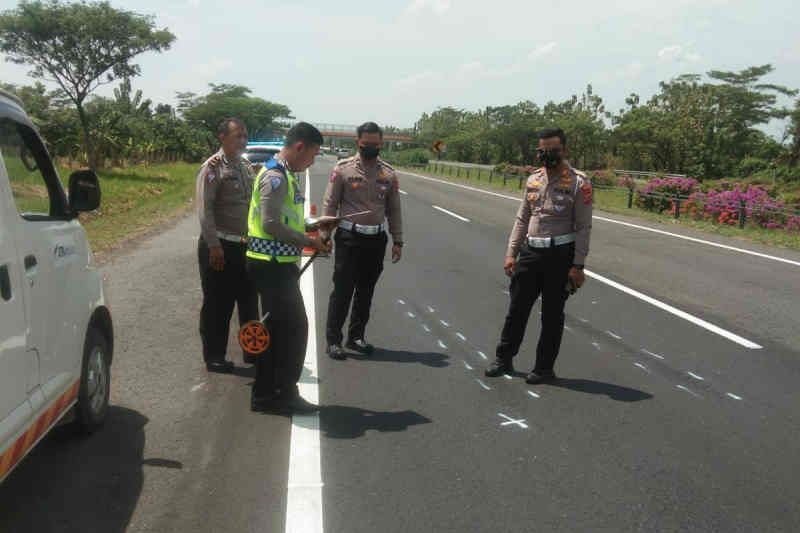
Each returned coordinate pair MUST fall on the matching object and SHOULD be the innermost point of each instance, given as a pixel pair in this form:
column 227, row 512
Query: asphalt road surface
column 677, row 407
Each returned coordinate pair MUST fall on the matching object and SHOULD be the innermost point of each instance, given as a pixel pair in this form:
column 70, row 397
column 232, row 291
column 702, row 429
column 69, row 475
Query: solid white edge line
column 454, row 215
column 630, row 225
column 677, row 312
column 304, row 495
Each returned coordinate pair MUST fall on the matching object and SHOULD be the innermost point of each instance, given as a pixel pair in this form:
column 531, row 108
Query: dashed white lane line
column 454, row 215
column 533, row 394
column 442, row 345
column 732, row 395
column 467, row 365
column 461, row 337
column 628, row 224
column 677, row 312
column 695, row 376
column 198, row 386
column 648, row 352
column 484, row 385
column 483, row 356
column 520, row 422
column 681, row 387
column 304, row 496
column 445, row 324
column 613, row 335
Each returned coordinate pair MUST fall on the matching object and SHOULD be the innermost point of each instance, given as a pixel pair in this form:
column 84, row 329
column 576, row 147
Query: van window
column 26, row 164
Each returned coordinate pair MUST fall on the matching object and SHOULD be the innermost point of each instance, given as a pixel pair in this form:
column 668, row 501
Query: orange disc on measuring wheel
column 254, row 337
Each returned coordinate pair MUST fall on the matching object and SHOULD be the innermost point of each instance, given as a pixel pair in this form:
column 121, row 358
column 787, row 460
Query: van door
column 47, row 244
column 18, row 367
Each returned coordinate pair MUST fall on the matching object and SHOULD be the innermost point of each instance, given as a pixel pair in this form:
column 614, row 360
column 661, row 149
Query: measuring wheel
column 254, row 337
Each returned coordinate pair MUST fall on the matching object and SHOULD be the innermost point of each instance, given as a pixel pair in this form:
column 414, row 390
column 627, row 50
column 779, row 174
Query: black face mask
column 369, row 152
column 549, row 158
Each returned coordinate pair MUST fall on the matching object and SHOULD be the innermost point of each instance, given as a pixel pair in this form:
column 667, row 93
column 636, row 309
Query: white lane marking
column 484, row 385
column 483, row 355
column 401, row 302
column 512, row 422
column 198, row 386
column 677, row 312
column 467, row 365
column 531, row 393
column 613, row 335
column 637, row 226
column 461, row 337
column 732, row 395
column 411, row 315
column 426, row 328
column 403, row 192
column 648, row 352
column 454, row 215
column 640, row 365
column 695, row 376
column 445, row 324
column 681, row 387
column 442, row 345
column 431, row 309
column 701, row 241
column 304, row 497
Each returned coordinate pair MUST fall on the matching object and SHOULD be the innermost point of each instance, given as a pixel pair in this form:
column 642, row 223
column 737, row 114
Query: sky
column 350, row 61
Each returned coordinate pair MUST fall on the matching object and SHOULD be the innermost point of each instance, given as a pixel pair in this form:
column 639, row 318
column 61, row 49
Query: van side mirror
column 84, row 191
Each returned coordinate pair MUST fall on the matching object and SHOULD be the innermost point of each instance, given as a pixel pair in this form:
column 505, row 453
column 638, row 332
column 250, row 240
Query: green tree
column 224, row 100
column 79, row 46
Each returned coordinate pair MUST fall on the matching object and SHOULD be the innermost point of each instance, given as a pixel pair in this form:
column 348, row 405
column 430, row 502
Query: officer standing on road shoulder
column 276, row 227
column 546, row 253
column 224, row 186
column 360, row 183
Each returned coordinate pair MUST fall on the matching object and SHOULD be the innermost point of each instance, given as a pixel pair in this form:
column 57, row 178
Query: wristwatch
column 579, row 267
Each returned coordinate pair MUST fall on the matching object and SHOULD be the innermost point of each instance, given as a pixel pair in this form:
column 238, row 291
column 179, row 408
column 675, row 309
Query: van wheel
column 95, row 387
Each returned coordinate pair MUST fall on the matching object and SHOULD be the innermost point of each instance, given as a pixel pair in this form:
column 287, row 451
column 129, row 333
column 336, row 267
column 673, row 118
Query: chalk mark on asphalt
column 482, row 355
column 467, row 365
column 442, row 345
column 681, row 387
column 732, row 395
column 512, row 422
column 533, row 394
column 613, row 335
column 461, row 336
column 484, row 385
column 695, row 376
column 648, row 352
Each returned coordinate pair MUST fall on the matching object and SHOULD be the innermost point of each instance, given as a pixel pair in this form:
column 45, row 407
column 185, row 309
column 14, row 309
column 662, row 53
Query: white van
column 56, row 338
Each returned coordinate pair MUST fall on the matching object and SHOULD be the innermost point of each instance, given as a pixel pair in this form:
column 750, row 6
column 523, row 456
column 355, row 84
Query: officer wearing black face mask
column 358, row 184
column 545, row 256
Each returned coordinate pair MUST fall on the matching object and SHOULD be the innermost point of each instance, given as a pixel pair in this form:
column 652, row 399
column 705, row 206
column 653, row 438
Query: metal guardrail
column 742, row 209
column 644, row 174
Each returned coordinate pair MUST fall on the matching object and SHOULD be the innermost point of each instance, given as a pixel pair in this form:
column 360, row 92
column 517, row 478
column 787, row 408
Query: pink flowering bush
column 723, row 207
column 793, row 223
column 658, row 194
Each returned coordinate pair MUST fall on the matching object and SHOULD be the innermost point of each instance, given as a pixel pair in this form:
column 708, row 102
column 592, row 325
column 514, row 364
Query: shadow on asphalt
column 74, row 483
column 342, row 422
column 615, row 392
column 436, row 360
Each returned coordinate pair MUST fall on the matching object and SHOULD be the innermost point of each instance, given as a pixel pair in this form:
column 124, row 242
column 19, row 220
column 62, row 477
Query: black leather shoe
column 249, row 359
column 300, row 406
column 499, row 367
column 361, row 346
column 335, row 352
column 539, row 376
column 221, row 367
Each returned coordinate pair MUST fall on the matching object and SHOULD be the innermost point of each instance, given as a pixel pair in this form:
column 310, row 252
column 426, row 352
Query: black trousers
column 540, row 271
column 279, row 369
column 358, row 264
column 221, row 291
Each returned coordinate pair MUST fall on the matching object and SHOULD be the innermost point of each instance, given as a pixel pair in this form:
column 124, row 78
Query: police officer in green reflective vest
column 276, row 238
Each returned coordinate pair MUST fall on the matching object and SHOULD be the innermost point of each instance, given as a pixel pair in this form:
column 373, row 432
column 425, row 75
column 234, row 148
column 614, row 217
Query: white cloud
column 420, row 81
column 439, row 7
column 542, row 50
column 678, row 53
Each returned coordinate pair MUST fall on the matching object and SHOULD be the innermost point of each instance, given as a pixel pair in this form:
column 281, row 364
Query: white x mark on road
column 510, row 421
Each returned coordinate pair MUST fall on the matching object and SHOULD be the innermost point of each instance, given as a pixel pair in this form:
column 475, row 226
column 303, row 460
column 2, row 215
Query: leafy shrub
column 659, row 193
